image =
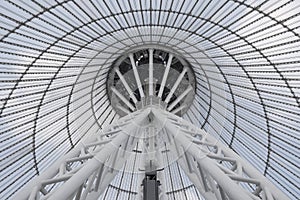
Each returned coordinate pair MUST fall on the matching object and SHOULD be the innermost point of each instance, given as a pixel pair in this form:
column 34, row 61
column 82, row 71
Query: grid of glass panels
column 54, row 58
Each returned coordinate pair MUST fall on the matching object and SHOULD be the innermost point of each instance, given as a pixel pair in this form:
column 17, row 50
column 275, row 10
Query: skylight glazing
column 55, row 56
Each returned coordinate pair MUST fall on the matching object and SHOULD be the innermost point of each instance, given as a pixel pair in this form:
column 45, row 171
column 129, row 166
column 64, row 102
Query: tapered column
column 234, row 191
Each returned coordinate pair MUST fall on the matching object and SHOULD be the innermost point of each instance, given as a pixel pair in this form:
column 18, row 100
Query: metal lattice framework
column 55, row 56
column 217, row 172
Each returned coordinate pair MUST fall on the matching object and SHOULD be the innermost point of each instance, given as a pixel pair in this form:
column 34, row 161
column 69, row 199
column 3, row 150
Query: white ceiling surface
column 54, row 58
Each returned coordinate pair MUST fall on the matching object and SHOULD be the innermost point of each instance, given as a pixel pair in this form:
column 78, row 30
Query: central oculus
column 151, row 77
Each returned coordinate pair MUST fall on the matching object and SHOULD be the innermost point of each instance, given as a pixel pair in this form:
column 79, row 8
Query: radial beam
column 178, row 99
column 122, row 98
column 165, row 76
column 123, row 109
column 151, row 72
column 181, row 107
column 136, row 76
column 124, row 82
column 168, row 98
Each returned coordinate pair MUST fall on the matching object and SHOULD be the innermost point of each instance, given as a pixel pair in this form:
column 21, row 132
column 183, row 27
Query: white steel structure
column 150, row 127
column 158, row 99
column 216, row 171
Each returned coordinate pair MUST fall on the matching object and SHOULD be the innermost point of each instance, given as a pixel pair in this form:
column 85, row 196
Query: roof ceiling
column 55, row 56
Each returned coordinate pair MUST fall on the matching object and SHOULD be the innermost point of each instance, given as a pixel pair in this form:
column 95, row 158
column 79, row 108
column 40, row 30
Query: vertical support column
column 150, row 72
column 151, row 185
column 150, row 182
column 151, row 140
column 141, row 175
column 161, row 176
column 164, row 80
column 136, row 76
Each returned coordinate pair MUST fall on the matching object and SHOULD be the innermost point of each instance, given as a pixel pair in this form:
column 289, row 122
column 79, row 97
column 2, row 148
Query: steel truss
column 216, row 171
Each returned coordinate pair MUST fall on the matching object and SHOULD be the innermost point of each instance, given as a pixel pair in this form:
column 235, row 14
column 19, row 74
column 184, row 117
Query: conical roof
column 56, row 55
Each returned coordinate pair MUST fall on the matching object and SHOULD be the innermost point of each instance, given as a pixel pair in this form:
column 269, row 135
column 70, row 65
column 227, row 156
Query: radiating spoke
column 60, row 59
column 168, row 98
column 164, row 80
column 180, row 108
column 123, row 98
column 128, row 89
column 151, row 72
column 123, row 109
column 151, row 69
column 179, row 98
column 136, row 75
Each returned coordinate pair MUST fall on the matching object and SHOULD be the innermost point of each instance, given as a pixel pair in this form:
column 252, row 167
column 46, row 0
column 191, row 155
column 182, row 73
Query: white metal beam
column 94, row 154
column 122, row 98
column 136, row 76
column 205, row 162
column 181, row 107
column 151, row 72
column 77, row 179
column 200, row 155
column 173, row 89
column 128, row 89
column 123, row 109
column 164, row 80
column 178, row 99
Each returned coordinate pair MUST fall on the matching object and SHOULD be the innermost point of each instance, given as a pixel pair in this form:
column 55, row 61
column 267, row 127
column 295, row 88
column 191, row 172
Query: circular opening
column 151, row 77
